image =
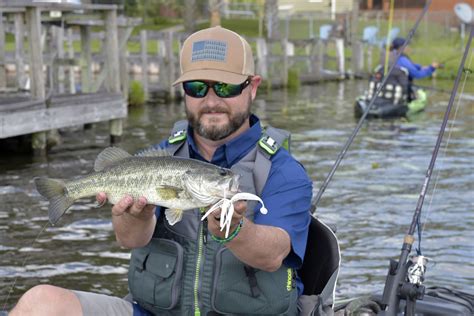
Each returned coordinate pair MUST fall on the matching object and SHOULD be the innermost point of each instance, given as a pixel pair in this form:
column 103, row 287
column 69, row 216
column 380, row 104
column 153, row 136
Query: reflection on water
column 371, row 198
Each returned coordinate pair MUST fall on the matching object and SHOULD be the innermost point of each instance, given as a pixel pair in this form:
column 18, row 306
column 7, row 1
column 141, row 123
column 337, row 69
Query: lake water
column 371, row 198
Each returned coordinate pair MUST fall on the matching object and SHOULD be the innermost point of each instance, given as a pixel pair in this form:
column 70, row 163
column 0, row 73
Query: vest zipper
column 197, row 311
column 204, row 232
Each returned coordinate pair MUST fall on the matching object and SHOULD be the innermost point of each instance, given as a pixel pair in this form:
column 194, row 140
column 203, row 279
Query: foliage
column 136, row 96
column 293, row 79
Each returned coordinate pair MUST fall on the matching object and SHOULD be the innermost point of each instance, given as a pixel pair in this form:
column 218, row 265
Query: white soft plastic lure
column 227, row 209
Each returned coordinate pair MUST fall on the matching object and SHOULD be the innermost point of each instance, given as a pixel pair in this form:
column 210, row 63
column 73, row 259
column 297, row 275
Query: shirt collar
column 234, row 150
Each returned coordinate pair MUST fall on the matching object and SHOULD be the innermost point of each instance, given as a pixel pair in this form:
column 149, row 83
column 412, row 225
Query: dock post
column 369, row 58
column 86, row 59
column 357, row 58
column 284, row 46
column 144, row 60
column 59, row 32
column 262, row 52
column 33, row 19
column 340, row 56
column 21, row 79
column 171, row 64
column 123, row 34
column 320, row 52
column 3, row 79
column 112, row 66
column 70, row 54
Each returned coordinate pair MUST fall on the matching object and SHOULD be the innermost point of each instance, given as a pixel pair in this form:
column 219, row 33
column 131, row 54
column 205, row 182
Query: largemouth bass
column 175, row 183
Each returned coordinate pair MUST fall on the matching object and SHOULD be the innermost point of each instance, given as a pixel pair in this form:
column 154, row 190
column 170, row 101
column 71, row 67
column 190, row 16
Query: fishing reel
column 416, row 271
column 413, row 289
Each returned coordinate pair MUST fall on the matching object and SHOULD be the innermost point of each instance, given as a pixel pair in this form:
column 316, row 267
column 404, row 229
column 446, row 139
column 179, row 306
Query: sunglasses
column 199, row 89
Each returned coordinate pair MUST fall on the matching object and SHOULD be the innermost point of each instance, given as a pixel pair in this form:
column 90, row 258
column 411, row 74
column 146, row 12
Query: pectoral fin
column 173, row 215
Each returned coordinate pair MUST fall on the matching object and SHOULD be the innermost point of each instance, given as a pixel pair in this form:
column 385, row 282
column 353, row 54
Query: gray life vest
column 396, row 88
column 184, row 272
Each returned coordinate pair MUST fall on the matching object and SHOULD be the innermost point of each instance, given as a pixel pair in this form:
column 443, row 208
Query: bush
column 293, row 79
column 136, row 94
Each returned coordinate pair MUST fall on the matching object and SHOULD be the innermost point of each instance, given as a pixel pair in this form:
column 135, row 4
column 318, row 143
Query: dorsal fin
column 110, row 156
column 154, row 152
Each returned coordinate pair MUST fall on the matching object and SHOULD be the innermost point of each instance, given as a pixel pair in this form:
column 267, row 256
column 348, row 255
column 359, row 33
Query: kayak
column 383, row 108
column 320, row 280
column 437, row 301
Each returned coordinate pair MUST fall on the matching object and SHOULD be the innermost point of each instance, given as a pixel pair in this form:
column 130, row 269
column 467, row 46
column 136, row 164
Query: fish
column 176, row 183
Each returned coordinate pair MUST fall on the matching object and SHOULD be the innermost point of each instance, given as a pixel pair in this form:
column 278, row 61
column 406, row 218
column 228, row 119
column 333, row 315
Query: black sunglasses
column 199, row 89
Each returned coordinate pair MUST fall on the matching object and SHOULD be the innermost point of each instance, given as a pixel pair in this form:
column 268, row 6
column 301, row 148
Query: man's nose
column 212, row 98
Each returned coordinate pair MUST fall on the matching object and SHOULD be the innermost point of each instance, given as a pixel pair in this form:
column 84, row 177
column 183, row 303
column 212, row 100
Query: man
column 415, row 71
column 399, row 86
column 178, row 270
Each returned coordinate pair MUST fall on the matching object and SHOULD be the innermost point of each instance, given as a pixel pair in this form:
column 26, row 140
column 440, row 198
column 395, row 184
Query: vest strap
column 272, row 139
column 179, row 132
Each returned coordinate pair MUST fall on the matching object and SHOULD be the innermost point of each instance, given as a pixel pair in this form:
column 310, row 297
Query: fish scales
column 172, row 182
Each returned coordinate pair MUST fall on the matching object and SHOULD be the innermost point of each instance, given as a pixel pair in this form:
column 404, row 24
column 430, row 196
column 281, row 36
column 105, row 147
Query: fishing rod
column 397, row 287
column 351, row 138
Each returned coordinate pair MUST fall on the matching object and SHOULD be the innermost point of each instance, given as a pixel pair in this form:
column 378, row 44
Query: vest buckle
column 177, row 136
column 268, row 144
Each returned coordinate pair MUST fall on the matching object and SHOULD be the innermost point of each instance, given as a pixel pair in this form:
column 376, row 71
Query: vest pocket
column 239, row 289
column 155, row 274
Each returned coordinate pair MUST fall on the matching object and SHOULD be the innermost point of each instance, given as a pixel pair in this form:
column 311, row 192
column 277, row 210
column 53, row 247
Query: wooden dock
column 61, row 87
column 42, row 109
column 22, row 115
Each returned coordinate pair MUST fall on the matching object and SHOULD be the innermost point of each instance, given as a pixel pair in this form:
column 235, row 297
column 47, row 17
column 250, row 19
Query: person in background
column 192, row 268
column 415, row 71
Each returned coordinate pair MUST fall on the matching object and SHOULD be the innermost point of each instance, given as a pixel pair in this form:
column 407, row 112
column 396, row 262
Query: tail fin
column 55, row 191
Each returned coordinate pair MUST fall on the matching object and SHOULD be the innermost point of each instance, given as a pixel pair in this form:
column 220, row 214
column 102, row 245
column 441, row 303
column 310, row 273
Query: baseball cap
column 398, row 42
column 216, row 54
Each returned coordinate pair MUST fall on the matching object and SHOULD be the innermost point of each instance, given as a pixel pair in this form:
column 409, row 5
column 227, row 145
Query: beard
column 215, row 132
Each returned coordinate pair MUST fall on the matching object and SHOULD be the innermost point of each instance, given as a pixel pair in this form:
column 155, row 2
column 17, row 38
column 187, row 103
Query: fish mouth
column 229, row 187
column 234, row 183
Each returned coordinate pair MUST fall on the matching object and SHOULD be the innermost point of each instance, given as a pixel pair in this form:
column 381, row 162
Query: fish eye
column 222, row 172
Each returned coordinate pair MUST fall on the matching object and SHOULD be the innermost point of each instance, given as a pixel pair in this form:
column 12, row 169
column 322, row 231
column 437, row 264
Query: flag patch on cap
column 209, row 50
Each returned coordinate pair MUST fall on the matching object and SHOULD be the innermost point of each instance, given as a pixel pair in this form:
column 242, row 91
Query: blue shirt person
column 220, row 84
column 415, row 71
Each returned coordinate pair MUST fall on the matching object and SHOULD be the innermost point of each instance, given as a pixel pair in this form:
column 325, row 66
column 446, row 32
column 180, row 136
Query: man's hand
column 240, row 207
column 138, row 209
column 435, row 65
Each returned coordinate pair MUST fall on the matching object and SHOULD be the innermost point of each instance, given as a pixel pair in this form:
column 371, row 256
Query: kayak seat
column 320, row 267
column 322, row 258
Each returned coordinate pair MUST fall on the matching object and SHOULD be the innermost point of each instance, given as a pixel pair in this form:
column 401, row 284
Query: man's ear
column 256, row 81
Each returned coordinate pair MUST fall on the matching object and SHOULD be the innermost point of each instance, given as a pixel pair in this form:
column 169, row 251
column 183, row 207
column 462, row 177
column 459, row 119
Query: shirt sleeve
column 415, row 71
column 287, row 196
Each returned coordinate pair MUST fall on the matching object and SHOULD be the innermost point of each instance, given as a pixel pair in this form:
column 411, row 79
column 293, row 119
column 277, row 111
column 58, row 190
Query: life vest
column 397, row 87
column 184, row 272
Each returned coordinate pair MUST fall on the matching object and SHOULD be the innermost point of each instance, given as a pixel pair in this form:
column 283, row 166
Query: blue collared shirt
column 415, row 71
column 286, row 194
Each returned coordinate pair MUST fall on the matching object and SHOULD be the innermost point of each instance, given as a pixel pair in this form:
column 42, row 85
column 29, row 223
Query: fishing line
column 396, row 288
column 351, row 138
column 426, row 219
column 416, row 216
column 22, row 266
